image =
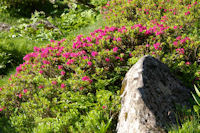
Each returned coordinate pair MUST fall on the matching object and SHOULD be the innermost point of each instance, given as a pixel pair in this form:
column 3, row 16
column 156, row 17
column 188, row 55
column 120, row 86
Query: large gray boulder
column 150, row 94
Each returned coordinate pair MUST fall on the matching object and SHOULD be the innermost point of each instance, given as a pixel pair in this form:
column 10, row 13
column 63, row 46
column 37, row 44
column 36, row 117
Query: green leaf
column 196, row 108
column 197, row 99
column 197, row 91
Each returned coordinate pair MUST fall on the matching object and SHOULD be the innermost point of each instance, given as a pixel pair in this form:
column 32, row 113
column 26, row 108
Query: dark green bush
column 26, row 7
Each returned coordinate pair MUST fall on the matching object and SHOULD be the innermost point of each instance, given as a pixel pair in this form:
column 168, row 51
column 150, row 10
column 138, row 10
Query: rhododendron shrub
column 84, row 76
column 74, row 86
column 171, row 12
column 175, row 24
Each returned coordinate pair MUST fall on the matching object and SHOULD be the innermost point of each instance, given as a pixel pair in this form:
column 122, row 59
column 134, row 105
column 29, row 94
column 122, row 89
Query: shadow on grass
column 5, row 126
column 25, row 9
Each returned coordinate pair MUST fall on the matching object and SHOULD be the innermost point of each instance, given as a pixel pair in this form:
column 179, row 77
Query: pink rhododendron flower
column 175, row 43
column 97, row 42
column 54, row 82
column 178, row 38
column 88, row 39
column 195, row 3
column 104, row 107
column 115, row 49
column 147, row 45
column 70, row 61
column 25, row 90
column 119, row 39
column 57, row 54
column 41, row 86
column 18, row 69
column 187, row 63
column 62, row 85
column 85, row 57
column 40, row 71
column 183, row 41
column 81, row 88
column 86, row 78
column 46, row 62
column 94, row 53
column 0, row 89
column 62, row 73
column 187, row 38
column 89, row 63
column 20, row 95
column 107, row 59
column 52, row 41
column 187, row 13
column 156, row 46
column 30, row 55
column 175, row 27
column 117, row 57
column 140, row 30
column 60, row 67
column 159, row 32
column 180, row 50
column 36, row 49
column 66, row 55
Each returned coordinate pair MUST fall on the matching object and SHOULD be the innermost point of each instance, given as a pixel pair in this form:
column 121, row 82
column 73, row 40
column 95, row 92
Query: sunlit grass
column 190, row 125
column 90, row 28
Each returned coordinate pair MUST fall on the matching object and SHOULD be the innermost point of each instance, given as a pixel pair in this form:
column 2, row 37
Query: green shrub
column 83, row 77
column 26, row 7
column 182, row 18
column 74, row 86
column 197, row 100
column 76, row 17
column 71, row 20
column 35, row 28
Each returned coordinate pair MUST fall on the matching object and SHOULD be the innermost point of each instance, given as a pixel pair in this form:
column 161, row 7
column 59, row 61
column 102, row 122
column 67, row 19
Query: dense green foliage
column 73, row 85
column 26, row 33
column 176, row 24
column 50, row 7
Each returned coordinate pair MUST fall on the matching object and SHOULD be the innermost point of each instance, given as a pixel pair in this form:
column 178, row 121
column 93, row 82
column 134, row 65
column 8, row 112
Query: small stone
column 4, row 27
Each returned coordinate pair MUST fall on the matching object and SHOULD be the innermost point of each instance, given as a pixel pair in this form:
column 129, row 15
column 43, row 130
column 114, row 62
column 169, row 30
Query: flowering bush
column 74, row 86
column 175, row 24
